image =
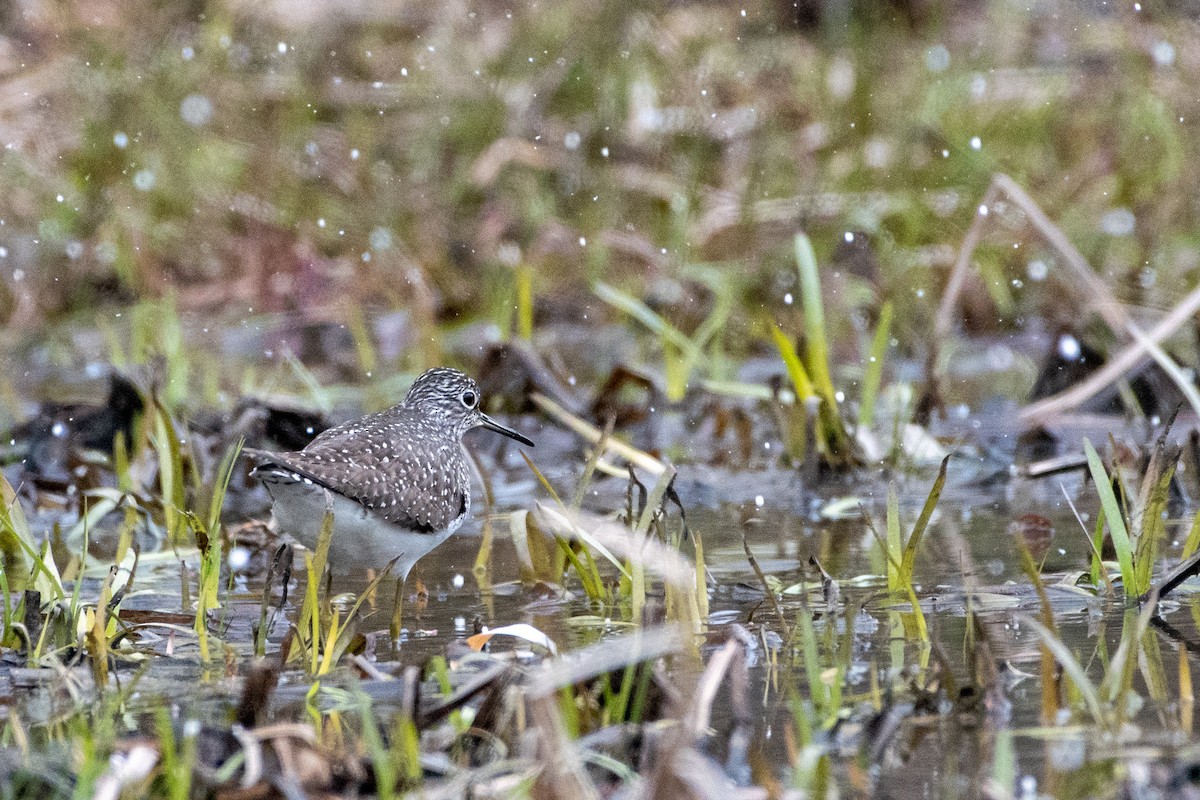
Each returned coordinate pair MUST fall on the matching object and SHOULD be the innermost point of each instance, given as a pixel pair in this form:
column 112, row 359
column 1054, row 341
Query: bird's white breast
column 361, row 539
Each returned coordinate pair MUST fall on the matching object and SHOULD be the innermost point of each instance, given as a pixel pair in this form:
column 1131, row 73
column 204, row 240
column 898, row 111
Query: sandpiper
column 398, row 481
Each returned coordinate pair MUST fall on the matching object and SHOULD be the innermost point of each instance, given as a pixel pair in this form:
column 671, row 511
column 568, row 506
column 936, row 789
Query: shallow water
column 967, row 559
column 967, row 556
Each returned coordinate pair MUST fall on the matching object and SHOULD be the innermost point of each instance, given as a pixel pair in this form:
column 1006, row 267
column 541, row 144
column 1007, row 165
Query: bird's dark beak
column 492, row 425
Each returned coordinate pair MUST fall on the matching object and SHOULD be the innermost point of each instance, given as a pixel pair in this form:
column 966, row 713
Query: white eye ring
column 469, row 398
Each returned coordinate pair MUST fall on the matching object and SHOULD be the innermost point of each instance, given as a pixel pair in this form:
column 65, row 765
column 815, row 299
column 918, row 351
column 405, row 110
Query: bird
column 398, row 482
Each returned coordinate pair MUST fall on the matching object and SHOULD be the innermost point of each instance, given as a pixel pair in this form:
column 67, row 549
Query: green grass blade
column 1070, row 665
column 16, row 540
column 814, row 321
column 894, row 547
column 874, row 372
column 221, row 485
column 1118, row 675
column 914, row 539
column 1004, row 764
column 1153, row 529
column 918, row 615
column 381, row 759
column 170, row 475
column 791, row 360
column 1116, row 521
column 525, row 303
column 541, row 478
column 817, row 688
column 647, row 316
column 1193, row 539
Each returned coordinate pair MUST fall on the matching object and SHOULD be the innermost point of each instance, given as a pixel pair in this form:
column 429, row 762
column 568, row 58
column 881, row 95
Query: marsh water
column 968, row 579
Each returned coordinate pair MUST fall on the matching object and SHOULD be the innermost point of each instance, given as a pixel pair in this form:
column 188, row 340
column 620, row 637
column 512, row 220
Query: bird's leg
column 399, row 604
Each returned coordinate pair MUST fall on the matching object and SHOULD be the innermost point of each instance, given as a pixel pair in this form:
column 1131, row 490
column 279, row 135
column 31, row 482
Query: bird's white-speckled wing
column 402, row 470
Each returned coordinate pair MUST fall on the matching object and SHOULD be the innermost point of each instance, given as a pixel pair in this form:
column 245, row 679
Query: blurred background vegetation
column 333, row 162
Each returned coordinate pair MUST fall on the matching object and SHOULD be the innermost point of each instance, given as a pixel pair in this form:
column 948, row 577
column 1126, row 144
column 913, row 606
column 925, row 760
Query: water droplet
column 976, row 143
column 380, row 239
column 937, row 58
column 1069, row 347
column 1164, row 54
column 121, row 140
column 196, row 110
column 239, row 558
column 571, row 140
column 282, row 47
column 1118, row 222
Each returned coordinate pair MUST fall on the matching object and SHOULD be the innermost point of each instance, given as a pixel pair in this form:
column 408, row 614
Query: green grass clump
column 900, row 553
column 1136, row 544
column 683, row 355
column 811, row 376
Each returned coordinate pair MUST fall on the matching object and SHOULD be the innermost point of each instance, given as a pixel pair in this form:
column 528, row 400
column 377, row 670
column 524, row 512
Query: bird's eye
column 469, row 398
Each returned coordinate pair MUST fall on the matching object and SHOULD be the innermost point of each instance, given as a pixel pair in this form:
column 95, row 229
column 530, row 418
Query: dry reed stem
column 594, row 435
column 1092, row 291
column 610, row 655
column 1130, row 358
column 562, row 776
